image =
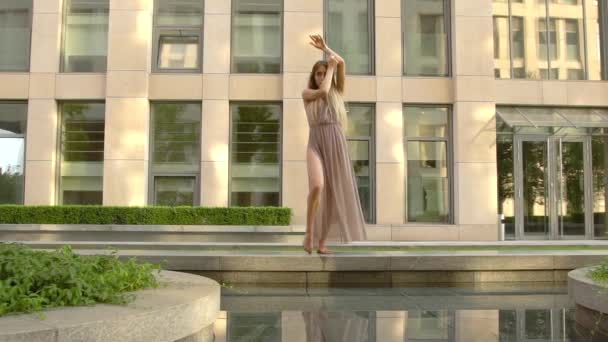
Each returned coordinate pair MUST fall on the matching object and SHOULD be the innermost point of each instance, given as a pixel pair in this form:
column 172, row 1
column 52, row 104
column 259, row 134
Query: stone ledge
column 586, row 292
column 184, row 308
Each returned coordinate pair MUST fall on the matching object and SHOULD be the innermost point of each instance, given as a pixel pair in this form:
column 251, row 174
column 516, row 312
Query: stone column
column 390, row 176
column 216, row 110
column 42, row 119
column 125, row 180
column 474, row 134
column 302, row 18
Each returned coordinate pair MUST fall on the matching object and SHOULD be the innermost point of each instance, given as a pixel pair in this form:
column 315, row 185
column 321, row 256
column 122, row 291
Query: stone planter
column 183, row 310
column 591, row 301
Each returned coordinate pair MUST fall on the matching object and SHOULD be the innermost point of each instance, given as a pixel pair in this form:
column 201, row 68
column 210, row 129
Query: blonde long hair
column 334, row 97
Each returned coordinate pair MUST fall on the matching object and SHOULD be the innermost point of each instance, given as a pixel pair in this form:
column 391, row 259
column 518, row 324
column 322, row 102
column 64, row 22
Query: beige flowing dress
column 339, row 209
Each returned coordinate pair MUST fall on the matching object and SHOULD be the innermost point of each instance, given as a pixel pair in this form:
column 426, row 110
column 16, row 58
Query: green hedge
column 16, row 214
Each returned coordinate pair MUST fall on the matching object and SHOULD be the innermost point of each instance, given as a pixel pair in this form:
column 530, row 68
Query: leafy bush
column 32, row 281
column 600, row 273
column 88, row 214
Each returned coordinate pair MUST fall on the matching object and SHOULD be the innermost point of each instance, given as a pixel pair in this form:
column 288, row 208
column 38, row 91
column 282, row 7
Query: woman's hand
column 318, row 42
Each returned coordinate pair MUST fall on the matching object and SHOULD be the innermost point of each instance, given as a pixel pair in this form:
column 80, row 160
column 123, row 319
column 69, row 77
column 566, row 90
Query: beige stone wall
column 129, row 85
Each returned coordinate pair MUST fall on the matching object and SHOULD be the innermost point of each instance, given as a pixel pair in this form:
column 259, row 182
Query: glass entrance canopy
column 553, row 117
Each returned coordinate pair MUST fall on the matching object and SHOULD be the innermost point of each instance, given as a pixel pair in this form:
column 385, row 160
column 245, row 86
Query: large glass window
column 175, row 153
column 426, row 37
column 15, row 33
column 427, row 140
column 255, row 154
column 13, row 116
column 82, row 146
column 549, row 39
column 599, row 162
column 178, row 35
column 506, row 177
column 85, row 41
column 360, row 136
column 349, row 28
column 257, row 36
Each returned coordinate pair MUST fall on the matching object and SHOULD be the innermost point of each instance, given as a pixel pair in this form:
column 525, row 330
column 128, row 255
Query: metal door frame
column 554, row 197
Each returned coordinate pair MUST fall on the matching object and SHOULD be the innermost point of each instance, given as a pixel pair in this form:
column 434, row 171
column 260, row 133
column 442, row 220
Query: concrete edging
column 586, row 292
column 184, row 308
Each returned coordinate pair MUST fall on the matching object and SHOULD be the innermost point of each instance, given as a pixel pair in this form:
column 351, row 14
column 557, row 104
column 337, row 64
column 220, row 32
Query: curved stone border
column 184, row 306
column 586, row 292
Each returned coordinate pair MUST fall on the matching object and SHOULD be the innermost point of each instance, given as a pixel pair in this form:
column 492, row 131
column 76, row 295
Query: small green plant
column 32, row 281
column 600, row 273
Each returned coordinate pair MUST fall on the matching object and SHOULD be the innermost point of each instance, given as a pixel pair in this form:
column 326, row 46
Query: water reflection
column 489, row 312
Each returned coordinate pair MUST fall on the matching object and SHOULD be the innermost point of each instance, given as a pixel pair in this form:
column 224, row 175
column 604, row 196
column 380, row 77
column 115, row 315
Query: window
column 597, row 40
column 517, row 32
column 175, row 153
column 349, row 28
column 82, row 145
column 178, row 35
column 560, row 35
column 85, row 41
column 427, row 142
column 599, row 165
column 360, row 137
column 257, row 36
column 15, row 33
column 572, row 40
column 502, row 66
column 425, row 27
column 13, row 116
column 255, row 154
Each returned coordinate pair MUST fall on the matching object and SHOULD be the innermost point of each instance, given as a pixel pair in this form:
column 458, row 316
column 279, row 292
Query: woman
column 333, row 199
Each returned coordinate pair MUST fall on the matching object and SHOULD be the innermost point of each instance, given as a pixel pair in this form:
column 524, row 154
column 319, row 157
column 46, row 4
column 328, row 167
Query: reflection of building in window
column 256, row 36
column 425, row 37
column 528, row 45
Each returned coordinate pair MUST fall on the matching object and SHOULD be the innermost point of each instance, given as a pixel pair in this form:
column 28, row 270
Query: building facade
column 465, row 116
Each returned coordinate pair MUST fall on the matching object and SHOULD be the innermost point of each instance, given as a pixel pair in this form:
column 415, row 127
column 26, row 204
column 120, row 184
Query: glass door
column 572, row 186
column 553, row 187
column 533, row 183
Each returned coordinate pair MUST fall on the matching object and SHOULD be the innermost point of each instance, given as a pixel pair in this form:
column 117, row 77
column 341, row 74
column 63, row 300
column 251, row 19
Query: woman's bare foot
column 307, row 244
column 323, row 249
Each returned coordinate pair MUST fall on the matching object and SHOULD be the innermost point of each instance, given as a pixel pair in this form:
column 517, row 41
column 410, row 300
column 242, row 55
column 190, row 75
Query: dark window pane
column 82, row 153
column 174, row 191
column 507, row 326
column 427, row 182
column 599, row 149
column 12, row 119
column 179, row 13
column 506, row 183
column 255, row 155
column 15, row 33
column 349, row 33
column 360, row 142
column 425, row 29
column 176, row 137
column 85, row 46
column 257, row 36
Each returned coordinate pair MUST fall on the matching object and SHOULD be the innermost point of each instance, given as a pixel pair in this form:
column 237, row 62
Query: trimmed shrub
column 88, row 214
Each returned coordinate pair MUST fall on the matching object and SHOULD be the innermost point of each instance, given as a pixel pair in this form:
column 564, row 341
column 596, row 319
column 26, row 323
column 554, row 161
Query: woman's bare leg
column 315, row 185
